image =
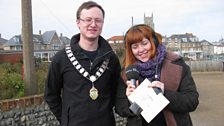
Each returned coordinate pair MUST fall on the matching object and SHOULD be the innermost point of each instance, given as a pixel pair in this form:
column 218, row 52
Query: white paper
column 148, row 100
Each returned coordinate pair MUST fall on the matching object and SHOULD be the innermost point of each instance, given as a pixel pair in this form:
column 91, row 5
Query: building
column 186, row 45
column 116, row 39
column 45, row 45
column 207, row 49
column 2, row 42
column 149, row 21
column 219, row 47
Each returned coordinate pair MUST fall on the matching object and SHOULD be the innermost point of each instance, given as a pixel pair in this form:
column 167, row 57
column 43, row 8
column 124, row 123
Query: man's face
column 90, row 23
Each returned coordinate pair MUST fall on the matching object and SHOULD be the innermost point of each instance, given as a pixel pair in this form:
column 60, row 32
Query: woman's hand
column 157, row 84
column 130, row 87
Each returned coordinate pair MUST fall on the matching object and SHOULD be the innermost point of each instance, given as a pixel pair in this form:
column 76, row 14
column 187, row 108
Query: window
column 55, row 46
column 184, row 39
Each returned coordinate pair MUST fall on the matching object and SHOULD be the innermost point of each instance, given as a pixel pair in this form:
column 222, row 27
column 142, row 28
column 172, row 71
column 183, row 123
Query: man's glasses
column 89, row 21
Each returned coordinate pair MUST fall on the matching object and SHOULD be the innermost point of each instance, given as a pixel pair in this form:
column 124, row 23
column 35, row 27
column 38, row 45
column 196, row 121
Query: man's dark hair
column 87, row 5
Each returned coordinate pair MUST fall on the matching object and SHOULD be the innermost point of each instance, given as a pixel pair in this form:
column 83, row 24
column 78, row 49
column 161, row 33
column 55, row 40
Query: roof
column 64, row 39
column 113, row 38
column 183, row 35
column 47, row 36
column 37, row 38
column 187, row 37
column 3, row 41
column 15, row 40
column 205, row 42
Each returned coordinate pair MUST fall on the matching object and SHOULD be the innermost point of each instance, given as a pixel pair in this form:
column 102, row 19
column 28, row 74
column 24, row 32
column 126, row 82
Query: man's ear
column 77, row 23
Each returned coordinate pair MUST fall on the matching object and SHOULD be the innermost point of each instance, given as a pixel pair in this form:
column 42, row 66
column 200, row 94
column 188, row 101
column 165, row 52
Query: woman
column 166, row 71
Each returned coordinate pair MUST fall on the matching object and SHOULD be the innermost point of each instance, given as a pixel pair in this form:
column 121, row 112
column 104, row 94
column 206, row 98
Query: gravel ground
column 210, row 111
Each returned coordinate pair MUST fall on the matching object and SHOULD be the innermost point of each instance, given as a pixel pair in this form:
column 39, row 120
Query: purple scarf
column 152, row 67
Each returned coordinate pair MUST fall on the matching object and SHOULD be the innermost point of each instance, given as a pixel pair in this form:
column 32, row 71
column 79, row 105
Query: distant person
column 83, row 78
column 166, row 70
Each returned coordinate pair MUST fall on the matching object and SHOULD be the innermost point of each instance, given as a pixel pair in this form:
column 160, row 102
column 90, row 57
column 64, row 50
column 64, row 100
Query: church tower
column 149, row 21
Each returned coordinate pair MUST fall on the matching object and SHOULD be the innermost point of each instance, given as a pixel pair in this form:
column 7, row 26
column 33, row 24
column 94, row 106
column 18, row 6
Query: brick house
column 2, row 42
column 45, row 45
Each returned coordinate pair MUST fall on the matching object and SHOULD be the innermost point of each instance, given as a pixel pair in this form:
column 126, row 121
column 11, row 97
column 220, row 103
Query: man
column 83, row 79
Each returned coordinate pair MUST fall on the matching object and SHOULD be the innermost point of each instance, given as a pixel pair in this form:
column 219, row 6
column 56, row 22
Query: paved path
column 210, row 111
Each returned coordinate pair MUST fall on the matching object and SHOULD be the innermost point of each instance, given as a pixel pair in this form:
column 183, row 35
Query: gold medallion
column 93, row 93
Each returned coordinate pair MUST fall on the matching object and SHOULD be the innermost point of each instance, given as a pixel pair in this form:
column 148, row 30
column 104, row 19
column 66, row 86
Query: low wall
column 206, row 66
column 11, row 57
column 32, row 111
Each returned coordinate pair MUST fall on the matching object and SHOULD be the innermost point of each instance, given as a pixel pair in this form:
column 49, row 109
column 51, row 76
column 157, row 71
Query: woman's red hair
column 136, row 34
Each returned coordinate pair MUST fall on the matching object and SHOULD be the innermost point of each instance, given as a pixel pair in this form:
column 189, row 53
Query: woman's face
column 141, row 50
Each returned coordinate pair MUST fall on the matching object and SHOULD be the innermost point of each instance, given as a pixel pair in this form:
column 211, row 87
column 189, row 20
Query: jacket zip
column 101, row 56
column 91, row 64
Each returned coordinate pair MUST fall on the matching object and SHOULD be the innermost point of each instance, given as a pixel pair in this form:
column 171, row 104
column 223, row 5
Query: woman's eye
column 144, row 43
column 134, row 46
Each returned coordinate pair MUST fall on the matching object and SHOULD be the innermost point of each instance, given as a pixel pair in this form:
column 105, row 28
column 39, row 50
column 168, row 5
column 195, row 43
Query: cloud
column 204, row 18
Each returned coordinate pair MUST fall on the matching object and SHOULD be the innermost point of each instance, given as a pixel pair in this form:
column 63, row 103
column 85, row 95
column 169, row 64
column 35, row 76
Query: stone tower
column 149, row 21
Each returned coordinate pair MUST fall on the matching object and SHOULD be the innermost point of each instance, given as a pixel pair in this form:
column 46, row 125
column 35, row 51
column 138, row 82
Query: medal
column 93, row 93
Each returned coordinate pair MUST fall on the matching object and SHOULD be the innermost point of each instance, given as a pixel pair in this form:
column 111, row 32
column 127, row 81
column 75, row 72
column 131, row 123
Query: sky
column 202, row 18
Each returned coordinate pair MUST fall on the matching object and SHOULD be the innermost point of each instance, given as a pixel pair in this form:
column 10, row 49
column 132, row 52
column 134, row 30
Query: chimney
column 0, row 35
column 39, row 32
column 61, row 35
